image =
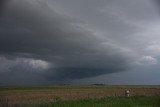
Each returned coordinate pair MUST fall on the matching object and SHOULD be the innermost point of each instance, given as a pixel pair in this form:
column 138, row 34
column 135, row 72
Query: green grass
column 136, row 101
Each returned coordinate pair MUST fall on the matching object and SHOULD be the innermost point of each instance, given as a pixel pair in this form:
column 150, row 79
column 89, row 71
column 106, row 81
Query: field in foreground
column 80, row 96
column 136, row 101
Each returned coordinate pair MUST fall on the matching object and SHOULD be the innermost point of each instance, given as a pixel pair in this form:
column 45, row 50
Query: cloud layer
column 32, row 29
column 38, row 35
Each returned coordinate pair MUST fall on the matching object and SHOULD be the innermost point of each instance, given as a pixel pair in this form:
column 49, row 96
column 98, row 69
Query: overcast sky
column 79, row 42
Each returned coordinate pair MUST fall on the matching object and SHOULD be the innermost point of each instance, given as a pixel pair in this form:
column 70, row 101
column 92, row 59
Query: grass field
column 137, row 101
column 80, row 96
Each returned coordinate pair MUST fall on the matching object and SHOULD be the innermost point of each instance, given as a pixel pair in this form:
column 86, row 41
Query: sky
column 45, row 42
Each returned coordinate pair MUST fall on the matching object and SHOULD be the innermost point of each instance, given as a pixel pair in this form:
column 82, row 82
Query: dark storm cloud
column 2, row 4
column 78, row 73
column 157, row 4
column 32, row 29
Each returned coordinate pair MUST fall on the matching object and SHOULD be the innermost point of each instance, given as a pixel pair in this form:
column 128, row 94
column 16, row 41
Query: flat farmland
column 37, row 95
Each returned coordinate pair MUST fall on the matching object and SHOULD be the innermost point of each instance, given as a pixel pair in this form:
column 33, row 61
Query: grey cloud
column 117, row 20
column 31, row 29
column 2, row 2
column 79, row 39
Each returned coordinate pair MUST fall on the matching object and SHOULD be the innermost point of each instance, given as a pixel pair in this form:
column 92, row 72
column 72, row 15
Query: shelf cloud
column 48, row 42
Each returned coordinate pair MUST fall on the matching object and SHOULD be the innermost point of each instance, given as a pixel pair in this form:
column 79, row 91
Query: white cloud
column 24, row 63
column 38, row 64
column 148, row 60
column 154, row 49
